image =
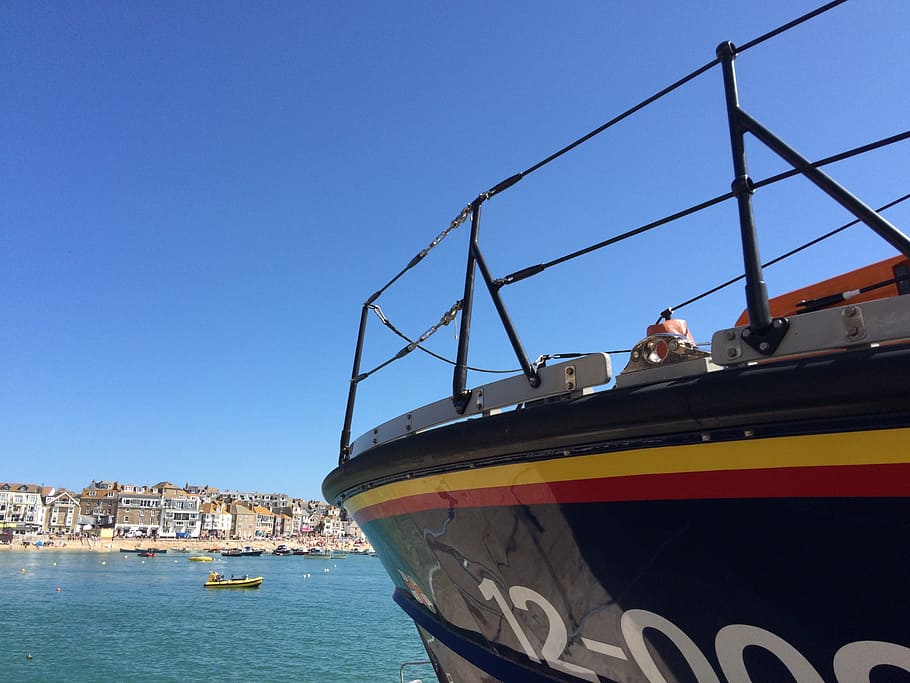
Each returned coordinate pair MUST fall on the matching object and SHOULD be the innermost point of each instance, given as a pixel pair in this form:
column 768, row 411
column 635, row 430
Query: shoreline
column 193, row 545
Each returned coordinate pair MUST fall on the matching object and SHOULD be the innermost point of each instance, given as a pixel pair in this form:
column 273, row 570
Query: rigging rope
column 780, row 258
column 416, row 344
column 458, row 220
column 539, row 268
column 512, row 180
column 541, row 360
column 656, row 96
column 786, row 27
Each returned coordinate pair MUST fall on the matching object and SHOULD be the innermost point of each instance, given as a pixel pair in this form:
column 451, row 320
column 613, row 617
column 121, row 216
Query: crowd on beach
column 85, row 542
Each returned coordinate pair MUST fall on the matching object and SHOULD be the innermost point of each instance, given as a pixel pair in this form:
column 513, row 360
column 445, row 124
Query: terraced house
column 138, row 511
column 61, row 511
column 98, row 505
column 180, row 512
column 244, row 520
column 21, row 508
column 216, row 520
column 265, row 521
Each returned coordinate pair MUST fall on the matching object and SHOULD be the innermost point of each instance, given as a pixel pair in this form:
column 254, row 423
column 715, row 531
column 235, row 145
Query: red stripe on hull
column 851, row 481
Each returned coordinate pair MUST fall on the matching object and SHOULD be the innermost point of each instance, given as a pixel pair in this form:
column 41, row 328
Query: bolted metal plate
column 571, row 378
column 872, row 322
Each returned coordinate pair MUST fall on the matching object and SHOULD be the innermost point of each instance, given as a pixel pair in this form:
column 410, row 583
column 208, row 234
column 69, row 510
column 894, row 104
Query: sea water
column 120, row 617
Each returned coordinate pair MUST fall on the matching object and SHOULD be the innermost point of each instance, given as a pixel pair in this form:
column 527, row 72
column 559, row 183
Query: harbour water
column 121, row 617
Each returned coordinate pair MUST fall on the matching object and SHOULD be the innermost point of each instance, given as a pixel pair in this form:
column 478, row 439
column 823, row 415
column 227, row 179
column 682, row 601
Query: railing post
column 344, row 454
column 756, row 291
column 460, row 393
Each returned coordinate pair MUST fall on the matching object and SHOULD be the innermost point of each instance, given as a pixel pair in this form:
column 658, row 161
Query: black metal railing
column 763, row 332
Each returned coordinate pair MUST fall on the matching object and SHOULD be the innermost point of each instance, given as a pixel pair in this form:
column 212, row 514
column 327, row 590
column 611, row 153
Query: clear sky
column 196, row 198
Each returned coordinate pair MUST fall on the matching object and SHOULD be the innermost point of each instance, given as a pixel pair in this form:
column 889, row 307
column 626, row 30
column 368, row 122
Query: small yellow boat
column 199, row 558
column 217, row 580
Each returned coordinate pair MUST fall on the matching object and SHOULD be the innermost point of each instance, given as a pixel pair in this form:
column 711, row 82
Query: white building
column 216, row 520
column 21, row 508
column 181, row 515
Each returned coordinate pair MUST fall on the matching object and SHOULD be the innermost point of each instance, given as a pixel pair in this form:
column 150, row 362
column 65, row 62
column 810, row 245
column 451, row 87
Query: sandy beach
column 106, row 545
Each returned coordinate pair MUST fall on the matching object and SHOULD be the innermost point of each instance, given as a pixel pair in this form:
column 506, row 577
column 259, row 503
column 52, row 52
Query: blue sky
column 196, row 198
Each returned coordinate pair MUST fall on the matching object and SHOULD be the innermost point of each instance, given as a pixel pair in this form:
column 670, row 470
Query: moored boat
column 147, row 553
column 245, row 551
column 282, row 549
column 200, row 558
column 316, row 554
column 216, row 580
column 734, row 513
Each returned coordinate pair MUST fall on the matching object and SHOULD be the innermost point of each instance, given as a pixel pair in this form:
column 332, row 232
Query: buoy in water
column 58, row 589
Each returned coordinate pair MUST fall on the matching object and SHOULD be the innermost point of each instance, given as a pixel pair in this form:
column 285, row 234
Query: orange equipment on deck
column 845, row 287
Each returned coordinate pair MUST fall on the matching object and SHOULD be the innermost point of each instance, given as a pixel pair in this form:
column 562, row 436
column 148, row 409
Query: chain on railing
column 458, row 220
column 446, row 318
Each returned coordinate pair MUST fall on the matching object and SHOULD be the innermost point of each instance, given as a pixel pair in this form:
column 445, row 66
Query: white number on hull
column 633, row 624
column 557, row 636
column 490, row 591
column 732, row 640
column 853, row 663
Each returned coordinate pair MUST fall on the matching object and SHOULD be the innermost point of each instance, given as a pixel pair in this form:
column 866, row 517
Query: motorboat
column 246, row 551
column 216, row 580
column 316, row 553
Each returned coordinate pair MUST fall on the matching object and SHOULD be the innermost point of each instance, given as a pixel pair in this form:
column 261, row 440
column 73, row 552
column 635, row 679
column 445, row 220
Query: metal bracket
column 767, row 341
column 874, row 322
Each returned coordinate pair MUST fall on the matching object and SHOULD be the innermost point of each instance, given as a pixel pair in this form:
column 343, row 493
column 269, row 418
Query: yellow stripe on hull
column 886, row 446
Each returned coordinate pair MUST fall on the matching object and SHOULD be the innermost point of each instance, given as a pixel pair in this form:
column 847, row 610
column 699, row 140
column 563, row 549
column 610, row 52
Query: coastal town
column 108, row 514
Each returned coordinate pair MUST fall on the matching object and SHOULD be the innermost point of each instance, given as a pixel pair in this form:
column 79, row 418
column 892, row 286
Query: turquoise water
column 121, row 617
